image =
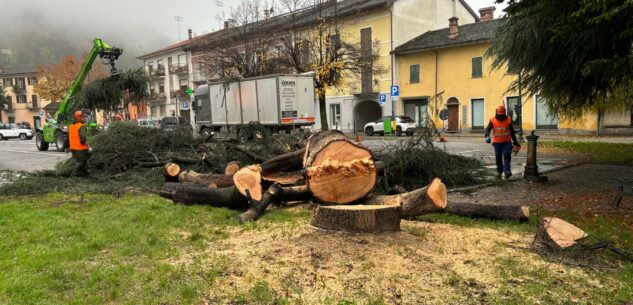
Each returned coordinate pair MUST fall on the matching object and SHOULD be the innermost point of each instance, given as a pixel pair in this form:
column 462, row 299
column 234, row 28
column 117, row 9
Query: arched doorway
column 453, row 114
column 365, row 112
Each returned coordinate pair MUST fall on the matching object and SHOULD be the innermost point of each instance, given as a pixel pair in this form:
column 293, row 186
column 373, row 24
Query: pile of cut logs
column 331, row 170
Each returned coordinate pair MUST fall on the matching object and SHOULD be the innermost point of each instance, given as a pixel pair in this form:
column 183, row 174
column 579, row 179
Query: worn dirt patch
column 425, row 263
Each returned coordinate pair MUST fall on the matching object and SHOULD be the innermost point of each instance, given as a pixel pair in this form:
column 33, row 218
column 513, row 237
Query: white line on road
column 33, row 152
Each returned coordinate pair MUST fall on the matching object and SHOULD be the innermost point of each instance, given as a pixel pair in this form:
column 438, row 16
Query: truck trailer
column 278, row 102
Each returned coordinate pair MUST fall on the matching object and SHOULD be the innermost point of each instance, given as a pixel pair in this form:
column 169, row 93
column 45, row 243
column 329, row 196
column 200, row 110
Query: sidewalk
column 549, row 136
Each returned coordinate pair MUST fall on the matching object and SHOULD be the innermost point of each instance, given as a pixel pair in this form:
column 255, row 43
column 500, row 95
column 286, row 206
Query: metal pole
column 520, row 108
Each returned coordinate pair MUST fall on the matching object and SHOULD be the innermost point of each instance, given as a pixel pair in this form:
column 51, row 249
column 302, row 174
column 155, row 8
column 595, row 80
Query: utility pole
column 178, row 19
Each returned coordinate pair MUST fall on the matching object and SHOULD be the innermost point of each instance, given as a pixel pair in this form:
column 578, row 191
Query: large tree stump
column 357, row 218
column 505, row 212
column 248, row 181
column 556, row 234
column 171, row 172
column 429, row 199
column 191, row 193
column 337, row 170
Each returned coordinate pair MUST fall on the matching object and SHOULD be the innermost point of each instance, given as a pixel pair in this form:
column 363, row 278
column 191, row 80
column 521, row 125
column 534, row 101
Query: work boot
column 508, row 175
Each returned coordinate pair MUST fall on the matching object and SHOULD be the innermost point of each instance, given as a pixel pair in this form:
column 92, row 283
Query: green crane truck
column 55, row 130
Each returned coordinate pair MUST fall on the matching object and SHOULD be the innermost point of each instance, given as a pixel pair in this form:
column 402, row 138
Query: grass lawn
column 612, row 153
column 141, row 249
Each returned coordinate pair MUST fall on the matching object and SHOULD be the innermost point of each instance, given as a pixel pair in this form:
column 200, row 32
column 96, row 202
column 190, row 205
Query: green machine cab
column 55, row 130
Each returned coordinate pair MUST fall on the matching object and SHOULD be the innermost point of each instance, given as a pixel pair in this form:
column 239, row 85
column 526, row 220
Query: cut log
column 171, row 172
column 316, row 142
column 232, row 168
column 429, row 199
column 248, row 182
column 505, row 212
column 191, row 193
column 357, row 218
column 292, row 161
column 340, row 172
column 556, row 234
column 291, row 193
column 290, row 178
column 217, row 180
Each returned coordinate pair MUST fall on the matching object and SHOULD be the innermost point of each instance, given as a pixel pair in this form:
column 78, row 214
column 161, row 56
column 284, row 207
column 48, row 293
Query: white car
column 404, row 124
column 8, row 131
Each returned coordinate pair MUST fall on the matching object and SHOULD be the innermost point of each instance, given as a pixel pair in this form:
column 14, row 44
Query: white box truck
column 279, row 102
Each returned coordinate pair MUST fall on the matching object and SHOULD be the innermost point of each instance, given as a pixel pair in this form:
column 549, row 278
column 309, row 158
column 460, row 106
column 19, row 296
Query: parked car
column 404, row 124
column 8, row 131
column 170, row 123
column 147, row 123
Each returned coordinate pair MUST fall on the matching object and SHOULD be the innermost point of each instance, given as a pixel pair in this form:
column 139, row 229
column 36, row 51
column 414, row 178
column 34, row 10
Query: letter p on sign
column 395, row 91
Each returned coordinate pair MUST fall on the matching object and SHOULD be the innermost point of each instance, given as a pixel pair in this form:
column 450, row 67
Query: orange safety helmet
column 501, row 109
column 78, row 114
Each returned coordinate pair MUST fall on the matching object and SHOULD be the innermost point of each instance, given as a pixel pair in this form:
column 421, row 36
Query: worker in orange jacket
column 77, row 137
column 503, row 138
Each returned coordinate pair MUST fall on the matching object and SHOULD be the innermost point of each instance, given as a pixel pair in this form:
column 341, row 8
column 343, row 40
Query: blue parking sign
column 383, row 99
column 395, row 90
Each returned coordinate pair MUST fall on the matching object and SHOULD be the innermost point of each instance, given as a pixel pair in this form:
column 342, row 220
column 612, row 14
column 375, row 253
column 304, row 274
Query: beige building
column 25, row 105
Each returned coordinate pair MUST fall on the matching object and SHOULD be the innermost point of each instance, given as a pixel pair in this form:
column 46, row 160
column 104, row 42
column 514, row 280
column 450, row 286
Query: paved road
column 23, row 156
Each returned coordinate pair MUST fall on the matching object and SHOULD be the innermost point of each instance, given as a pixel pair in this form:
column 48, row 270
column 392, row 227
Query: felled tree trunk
column 357, row 218
column 337, row 170
column 248, row 181
column 556, row 234
column 292, row 161
column 288, row 178
column 171, row 172
column 429, row 199
column 291, row 193
column 191, row 193
column 208, row 180
column 505, row 212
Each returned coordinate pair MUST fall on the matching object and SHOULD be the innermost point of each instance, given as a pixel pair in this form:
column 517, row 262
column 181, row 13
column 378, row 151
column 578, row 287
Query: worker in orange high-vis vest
column 77, row 137
column 503, row 138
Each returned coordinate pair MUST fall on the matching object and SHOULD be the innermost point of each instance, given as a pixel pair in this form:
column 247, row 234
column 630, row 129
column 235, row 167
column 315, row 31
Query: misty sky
column 41, row 31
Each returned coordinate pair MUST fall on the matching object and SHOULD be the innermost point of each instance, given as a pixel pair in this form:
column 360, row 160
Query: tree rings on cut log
column 341, row 172
column 357, row 218
column 171, row 172
column 232, row 168
column 249, row 179
column 557, row 234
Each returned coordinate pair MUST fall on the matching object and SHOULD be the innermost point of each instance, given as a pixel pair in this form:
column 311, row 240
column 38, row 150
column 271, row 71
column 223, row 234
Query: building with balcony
column 25, row 105
column 170, row 75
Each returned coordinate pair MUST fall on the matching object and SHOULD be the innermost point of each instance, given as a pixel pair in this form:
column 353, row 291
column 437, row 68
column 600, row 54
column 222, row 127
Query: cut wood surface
column 340, row 172
column 557, row 234
column 292, row 161
column 249, row 179
column 171, row 172
column 317, row 141
column 288, row 178
column 232, row 167
column 506, row 212
column 429, row 199
column 357, row 218
column 191, row 193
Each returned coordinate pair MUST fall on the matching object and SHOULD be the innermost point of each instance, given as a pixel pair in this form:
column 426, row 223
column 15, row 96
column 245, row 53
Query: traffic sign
column 41, row 113
column 395, row 90
column 444, row 114
column 383, row 99
column 185, row 106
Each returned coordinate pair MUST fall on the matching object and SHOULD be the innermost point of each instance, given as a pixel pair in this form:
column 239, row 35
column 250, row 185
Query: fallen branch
column 504, row 212
column 249, row 154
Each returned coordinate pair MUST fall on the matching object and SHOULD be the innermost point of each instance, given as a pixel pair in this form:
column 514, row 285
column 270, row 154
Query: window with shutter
column 477, row 67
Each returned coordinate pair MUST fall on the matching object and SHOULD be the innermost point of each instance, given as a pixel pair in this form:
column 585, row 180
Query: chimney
column 190, row 33
column 452, row 26
column 487, row 13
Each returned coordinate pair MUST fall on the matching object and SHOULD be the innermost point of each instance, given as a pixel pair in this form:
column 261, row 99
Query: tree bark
column 204, row 179
column 337, row 170
column 357, row 218
column 171, row 171
column 429, row 199
column 323, row 109
column 505, row 212
column 291, row 193
column 556, row 234
column 191, row 193
column 248, row 181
